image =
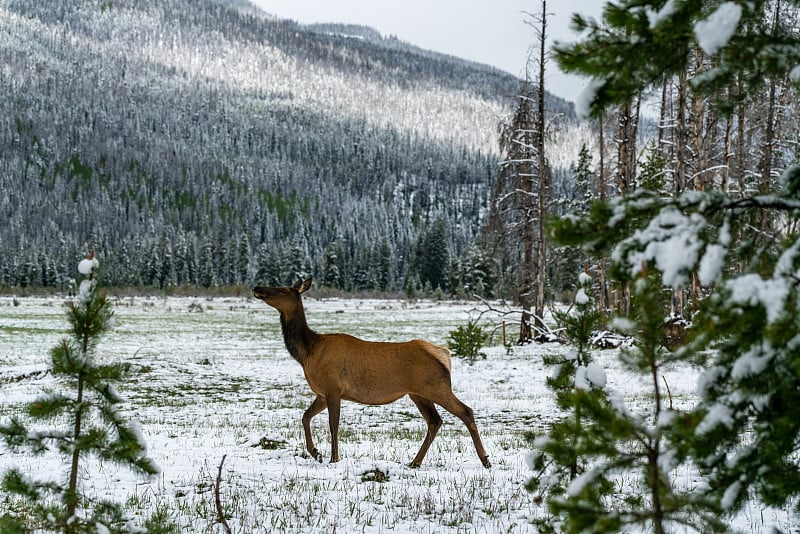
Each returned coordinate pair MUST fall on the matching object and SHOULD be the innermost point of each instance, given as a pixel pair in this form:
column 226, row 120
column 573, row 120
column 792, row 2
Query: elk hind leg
column 465, row 413
column 434, row 420
column 317, row 406
column 334, row 407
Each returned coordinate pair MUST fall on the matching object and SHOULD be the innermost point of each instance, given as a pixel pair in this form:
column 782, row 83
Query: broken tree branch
column 218, row 501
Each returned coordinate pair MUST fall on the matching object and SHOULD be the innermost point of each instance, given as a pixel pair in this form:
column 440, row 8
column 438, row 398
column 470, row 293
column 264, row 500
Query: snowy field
column 214, row 380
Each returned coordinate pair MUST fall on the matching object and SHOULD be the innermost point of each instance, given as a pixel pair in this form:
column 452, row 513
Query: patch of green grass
column 30, row 331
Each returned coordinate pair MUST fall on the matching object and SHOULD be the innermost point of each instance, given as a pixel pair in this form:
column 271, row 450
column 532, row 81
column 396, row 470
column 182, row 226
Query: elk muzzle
column 263, row 293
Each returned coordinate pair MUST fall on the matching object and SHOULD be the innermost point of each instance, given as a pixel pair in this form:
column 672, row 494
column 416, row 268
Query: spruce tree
column 652, row 174
column 331, row 276
column 89, row 424
column 270, row 266
column 477, row 273
column 568, row 260
column 434, row 256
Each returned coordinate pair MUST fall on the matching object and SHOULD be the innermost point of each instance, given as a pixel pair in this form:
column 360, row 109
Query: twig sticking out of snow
column 669, row 393
column 218, row 501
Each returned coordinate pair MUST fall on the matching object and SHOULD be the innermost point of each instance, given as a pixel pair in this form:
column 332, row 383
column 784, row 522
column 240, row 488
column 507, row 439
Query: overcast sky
column 496, row 32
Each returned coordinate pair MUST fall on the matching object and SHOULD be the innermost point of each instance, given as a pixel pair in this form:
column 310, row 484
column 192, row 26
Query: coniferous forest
column 213, row 145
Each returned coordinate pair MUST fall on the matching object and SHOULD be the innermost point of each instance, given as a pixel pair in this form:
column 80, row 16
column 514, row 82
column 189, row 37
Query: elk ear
column 303, row 286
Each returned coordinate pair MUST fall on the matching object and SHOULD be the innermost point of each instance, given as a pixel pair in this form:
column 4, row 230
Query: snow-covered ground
column 214, row 379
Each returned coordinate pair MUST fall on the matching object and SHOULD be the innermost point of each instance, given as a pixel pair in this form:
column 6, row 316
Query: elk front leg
column 334, row 406
column 317, row 406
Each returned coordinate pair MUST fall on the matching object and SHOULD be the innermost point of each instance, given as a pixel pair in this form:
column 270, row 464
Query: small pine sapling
column 557, row 459
column 613, row 441
column 466, row 341
column 91, row 426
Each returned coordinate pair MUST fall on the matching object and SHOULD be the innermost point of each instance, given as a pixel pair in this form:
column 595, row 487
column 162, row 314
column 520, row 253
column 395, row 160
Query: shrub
column 466, row 341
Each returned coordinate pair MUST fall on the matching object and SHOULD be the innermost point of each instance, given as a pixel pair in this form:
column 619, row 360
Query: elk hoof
column 414, row 465
column 316, row 455
column 486, row 463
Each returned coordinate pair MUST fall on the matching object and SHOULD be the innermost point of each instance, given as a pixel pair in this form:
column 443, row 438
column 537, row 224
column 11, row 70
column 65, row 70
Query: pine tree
column 295, row 267
column 95, row 427
column 570, row 259
column 191, row 264
column 513, row 209
column 242, row 263
column 455, row 288
column 385, row 264
column 556, row 460
column 207, row 273
column 478, row 273
column 182, row 260
column 521, row 197
column 434, row 256
column 331, row 276
column 582, row 458
column 652, row 174
column 582, row 181
column 269, row 267
column 751, row 387
column 373, row 268
column 165, row 263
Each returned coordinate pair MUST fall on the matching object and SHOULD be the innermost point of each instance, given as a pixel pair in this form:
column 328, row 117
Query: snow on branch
column 678, row 240
column 716, row 30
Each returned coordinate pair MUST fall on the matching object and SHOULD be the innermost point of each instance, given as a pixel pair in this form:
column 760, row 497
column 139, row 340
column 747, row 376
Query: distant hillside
column 202, row 142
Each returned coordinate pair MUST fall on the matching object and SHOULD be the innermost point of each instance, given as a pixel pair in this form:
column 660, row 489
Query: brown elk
column 341, row 367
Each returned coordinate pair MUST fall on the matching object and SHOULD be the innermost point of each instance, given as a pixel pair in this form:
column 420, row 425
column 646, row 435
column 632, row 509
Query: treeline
column 171, row 260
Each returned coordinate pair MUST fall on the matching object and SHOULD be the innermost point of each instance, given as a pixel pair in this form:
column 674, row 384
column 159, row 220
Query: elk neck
column 297, row 336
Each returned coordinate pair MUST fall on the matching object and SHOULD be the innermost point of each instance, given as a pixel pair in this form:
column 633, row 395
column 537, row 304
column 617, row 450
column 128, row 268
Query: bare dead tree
column 521, row 197
column 543, row 197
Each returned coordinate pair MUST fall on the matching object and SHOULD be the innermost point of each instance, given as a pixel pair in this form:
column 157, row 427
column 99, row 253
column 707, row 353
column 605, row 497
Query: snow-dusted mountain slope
column 171, row 134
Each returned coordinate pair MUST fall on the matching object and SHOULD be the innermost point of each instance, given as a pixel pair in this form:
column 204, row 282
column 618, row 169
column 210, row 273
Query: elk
column 341, row 367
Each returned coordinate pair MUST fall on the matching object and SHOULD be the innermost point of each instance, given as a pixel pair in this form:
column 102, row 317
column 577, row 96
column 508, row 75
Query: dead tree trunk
column 603, row 300
column 543, row 174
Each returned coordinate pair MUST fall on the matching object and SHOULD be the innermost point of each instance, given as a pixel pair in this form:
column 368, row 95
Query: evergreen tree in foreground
column 88, row 425
column 751, row 386
column 744, row 434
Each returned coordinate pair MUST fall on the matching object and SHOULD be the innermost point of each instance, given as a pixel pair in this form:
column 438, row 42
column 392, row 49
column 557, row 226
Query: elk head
column 283, row 299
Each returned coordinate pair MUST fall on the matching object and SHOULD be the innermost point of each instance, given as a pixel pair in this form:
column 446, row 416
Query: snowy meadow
column 211, row 380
